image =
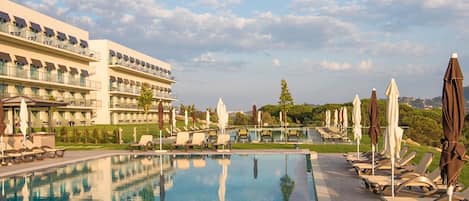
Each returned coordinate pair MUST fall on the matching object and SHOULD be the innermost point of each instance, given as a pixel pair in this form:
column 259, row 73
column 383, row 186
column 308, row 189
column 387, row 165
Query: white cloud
column 127, row 19
column 365, row 65
column 218, row 4
column 275, row 62
column 205, row 58
column 334, row 66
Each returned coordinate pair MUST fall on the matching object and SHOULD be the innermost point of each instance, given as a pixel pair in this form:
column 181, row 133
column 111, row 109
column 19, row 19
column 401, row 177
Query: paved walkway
column 342, row 182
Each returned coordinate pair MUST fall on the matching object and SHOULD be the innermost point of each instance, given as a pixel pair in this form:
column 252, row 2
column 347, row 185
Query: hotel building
column 123, row 72
column 44, row 58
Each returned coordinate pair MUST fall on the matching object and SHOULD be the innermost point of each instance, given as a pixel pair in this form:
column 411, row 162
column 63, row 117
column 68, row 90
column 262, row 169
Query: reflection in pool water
column 278, row 177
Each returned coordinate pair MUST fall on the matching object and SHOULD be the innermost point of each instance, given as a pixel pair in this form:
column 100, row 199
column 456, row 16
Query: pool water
column 267, row 177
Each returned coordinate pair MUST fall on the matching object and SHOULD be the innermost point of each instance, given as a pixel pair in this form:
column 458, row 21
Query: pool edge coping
column 322, row 190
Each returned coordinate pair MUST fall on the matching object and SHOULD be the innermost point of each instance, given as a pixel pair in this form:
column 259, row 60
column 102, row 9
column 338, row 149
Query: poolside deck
column 334, row 181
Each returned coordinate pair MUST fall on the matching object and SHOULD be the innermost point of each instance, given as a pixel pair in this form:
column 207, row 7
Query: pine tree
column 285, row 99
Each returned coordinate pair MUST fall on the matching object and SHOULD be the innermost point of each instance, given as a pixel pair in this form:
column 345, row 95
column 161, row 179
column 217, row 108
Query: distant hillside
column 430, row 103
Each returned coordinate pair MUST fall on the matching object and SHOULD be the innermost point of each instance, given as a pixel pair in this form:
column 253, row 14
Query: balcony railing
column 41, row 38
column 140, row 68
column 136, row 91
column 13, row 71
column 76, row 102
column 134, row 106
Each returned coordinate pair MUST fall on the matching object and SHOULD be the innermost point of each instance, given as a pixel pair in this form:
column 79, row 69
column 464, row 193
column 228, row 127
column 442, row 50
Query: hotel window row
column 117, row 58
column 21, row 68
column 44, row 35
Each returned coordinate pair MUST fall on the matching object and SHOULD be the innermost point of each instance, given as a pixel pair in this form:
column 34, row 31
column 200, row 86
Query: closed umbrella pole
column 23, row 119
column 393, row 132
column 2, row 127
column 453, row 152
column 160, row 122
column 373, row 131
column 186, row 120
column 356, row 119
column 345, row 120
column 336, row 118
column 174, row 118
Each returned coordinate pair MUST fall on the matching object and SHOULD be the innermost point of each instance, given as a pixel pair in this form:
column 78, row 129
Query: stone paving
column 342, row 183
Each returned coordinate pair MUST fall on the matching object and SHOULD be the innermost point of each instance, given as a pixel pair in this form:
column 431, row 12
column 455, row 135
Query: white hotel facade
column 44, row 58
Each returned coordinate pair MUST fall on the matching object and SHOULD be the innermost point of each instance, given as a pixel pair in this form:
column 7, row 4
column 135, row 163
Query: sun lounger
column 293, row 134
column 457, row 196
column 266, row 135
column 212, row 136
column 222, row 140
column 243, row 135
column 351, row 157
column 146, row 142
column 19, row 155
column 365, row 168
column 182, row 139
column 39, row 152
column 198, row 139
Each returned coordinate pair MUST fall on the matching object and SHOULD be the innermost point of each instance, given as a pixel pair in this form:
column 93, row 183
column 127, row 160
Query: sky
column 239, row 50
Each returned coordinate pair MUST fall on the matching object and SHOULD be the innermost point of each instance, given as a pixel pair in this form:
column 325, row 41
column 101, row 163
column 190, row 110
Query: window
column 35, row 91
column 20, row 72
column 3, row 67
column 82, row 80
column 60, row 76
column 48, row 74
column 19, row 89
column 3, row 89
column 33, row 72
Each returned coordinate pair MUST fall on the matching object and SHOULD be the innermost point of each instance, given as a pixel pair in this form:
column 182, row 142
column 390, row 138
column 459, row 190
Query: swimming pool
column 263, row 177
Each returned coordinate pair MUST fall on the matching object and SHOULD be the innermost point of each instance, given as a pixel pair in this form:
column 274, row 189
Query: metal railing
column 41, row 38
column 136, row 91
column 77, row 102
column 140, row 68
column 10, row 70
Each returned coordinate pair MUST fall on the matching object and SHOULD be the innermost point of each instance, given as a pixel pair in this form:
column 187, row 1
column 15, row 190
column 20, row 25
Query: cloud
column 205, row 58
column 218, row 4
column 334, row 66
column 365, row 65
column 275, row 62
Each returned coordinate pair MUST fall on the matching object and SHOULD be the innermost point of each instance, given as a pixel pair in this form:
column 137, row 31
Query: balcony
column 134, row 106
column 71, row 102
column 12, row 72
column 128, row 67
column 136, row 92
column 40, row 40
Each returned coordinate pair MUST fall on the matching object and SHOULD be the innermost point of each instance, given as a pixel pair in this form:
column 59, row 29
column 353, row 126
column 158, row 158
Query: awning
column 112, row 78
column 126, row 81
column 21, row 60
column 126, row 58
column 119, row 55
column 4, row 17
column 62, row 68
column 148, row 65
column 169, row 90
column 72, row 40
column 169, row 72
column 73, row 71
column 35, row 27
column 132, row 82
column 137, row 61
column 119, row 80
column 84, row 73
column 49, row 32
column 153, row 67
column 5, row 57
column 50, row 66
column 112, row 53
column 83, row 43
column 36, row 63
column 132, row 59
column 157, row 68
column 138, row 84
column 143, row 63
column 20, row 22
column 61, row 36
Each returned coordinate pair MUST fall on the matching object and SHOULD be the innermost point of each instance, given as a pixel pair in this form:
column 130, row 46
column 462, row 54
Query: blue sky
column 327, row 50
